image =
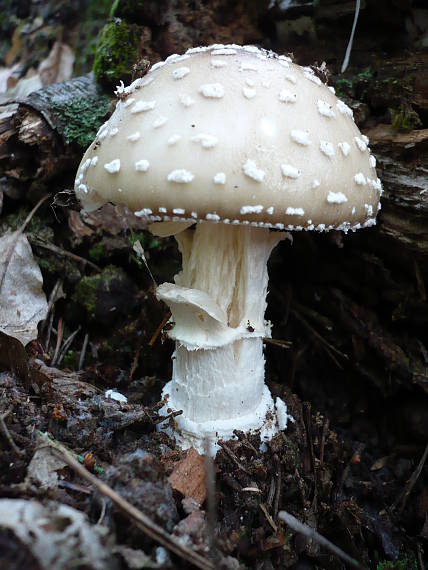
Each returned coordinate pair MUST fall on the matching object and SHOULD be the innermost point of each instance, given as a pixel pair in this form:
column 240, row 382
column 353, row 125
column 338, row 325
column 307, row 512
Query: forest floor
column 351, row 321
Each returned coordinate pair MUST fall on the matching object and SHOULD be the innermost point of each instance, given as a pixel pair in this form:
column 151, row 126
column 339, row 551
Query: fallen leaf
column 22, row 89
column 379, row 463
column 58, row 66
column 13, row 356
column 43, row 468
column 22, row 300
column 53, row 536
column 188, row 476
column 5, row 75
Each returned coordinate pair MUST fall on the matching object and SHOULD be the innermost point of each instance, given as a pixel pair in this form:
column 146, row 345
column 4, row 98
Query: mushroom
column 243, row 145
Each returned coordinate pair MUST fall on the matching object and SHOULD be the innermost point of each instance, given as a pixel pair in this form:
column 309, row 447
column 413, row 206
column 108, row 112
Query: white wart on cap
column 235, row 135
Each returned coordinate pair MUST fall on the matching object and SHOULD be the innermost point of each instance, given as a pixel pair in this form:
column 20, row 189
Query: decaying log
column 43, row 136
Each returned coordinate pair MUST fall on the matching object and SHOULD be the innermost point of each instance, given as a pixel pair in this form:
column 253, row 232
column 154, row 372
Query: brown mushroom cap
column 236, row 135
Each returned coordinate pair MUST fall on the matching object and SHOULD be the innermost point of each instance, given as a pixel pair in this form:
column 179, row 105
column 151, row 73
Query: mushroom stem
column 218, row 304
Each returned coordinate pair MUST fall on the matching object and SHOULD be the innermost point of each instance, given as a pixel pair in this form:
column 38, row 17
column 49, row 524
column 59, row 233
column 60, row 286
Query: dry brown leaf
column 58, row 66
column 188, row 476
column 379, row 463
column 55, row 536
column 43, row 468
column 22, row 300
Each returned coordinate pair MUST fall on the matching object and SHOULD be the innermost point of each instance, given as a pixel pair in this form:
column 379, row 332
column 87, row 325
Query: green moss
column 97, row 252
column 405, row 119
column 401, row 564
column 86, row 293
column 70, row 360
column 148, row 242
column 96, row 15
column 36, row 226
column 117, row 51
column 89, row 288
column 347, row 85
column 81, row 118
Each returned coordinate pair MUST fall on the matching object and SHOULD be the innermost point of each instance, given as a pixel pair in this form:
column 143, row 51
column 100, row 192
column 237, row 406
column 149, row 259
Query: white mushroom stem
column 218, row 305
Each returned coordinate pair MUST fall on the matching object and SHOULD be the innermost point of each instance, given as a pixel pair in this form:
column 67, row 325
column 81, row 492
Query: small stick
column 60, row 332
column 8, row 436
column 277, row 342
column 312, row 534
column 40, row 242
column 233, row 457
column 271, row 494
column 325, row 428
column 211, row 500
column 244, row 440
column 51, row 303
column 164, row 418
column 421, row 565
column 268, row 517
column 83, row 351
column 62, row 484
column 48, row 334
column 103, row 511
column 135, row 361
column 329, row 348
column 142, row 521
column 278, row 486
column 411, row 483
column 307, row 417
column 67, row 344
column 159, row 329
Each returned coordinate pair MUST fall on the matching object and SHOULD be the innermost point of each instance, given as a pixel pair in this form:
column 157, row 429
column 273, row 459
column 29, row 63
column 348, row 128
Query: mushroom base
column 267, row 419
column 217, row 304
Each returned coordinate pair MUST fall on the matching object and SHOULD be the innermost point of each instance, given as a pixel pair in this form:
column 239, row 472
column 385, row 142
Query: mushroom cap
column 233, row 134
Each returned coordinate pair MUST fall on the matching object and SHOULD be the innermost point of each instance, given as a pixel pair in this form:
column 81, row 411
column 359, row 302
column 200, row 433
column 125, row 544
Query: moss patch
column 118, row 49
column 81, row 118
column 107, row 296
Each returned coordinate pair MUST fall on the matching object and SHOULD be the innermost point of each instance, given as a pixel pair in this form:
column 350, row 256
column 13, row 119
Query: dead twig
column 278, row 342
column 307, row 420
column 18, row 233
column 164, row 418
column 48, row 334
column 278, row 486
column 271, row 494
column 402, row 498
column 7, row 435
column 420, row 555
column 358, row 451
column 233, row 457
column 83, row 351
column 51, row 302
column 67, row 344
column 211, row 501
column 268, row 517
column 312, row 534
column 244, row 440
column 329, row 348
column 103, row 511
column 40, row 242
column 142, row 521
column 325, row 429
column 135, row 360
column 59, row 334
column 159, row 329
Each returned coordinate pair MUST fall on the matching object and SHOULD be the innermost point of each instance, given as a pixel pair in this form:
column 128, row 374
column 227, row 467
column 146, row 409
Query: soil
column 352, row 309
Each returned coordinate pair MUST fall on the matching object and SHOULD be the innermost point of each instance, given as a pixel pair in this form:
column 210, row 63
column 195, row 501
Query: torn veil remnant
column 237, row 141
